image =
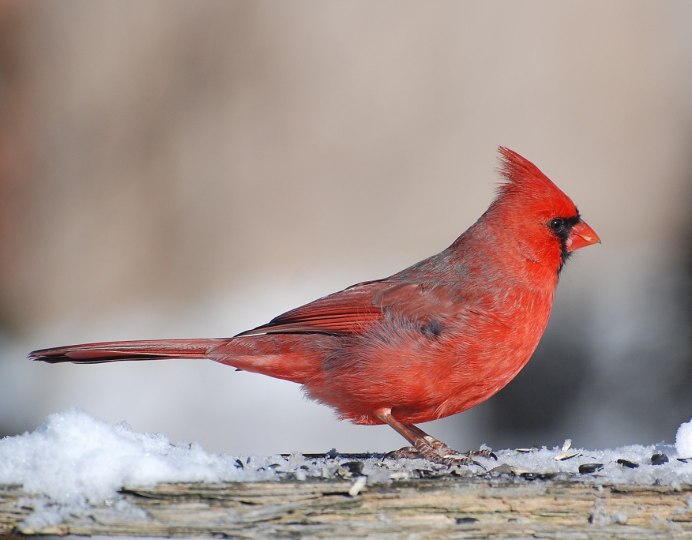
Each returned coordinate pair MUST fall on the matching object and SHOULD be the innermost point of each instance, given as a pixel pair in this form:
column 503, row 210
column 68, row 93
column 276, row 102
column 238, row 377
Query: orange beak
column 581, row 236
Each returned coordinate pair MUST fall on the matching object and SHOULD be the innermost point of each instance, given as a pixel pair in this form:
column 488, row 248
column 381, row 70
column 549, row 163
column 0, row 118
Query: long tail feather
column 117, row 351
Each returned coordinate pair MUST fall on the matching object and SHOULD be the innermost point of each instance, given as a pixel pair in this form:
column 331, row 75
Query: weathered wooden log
column 449, row 507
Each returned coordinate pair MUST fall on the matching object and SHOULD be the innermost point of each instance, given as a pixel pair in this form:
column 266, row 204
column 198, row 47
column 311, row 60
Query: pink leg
column 426, row 445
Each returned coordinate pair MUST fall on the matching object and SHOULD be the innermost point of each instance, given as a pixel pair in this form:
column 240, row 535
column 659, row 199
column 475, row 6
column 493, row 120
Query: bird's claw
column 438, row 452
column 486, row 453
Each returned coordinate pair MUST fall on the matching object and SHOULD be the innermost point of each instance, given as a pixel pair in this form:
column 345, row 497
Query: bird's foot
column 426, row 446
column 436, row 451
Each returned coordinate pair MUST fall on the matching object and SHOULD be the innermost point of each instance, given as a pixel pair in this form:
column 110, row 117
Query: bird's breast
column 431, row 368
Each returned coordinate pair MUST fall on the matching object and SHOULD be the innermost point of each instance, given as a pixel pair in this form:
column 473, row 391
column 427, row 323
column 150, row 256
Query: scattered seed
column 501, row 470
column 659, row 459
column 588, row 468
column 529, row 475
column 547, row 475
column 357, row 486
column 538, row 476
column 527, row 450
column 354, row 467
column 464, row 520
column 627, row 463
column 566, row 456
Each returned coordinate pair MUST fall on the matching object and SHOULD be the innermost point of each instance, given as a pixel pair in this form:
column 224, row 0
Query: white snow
column 73, row 457
column 72, row 460
column 683, row 440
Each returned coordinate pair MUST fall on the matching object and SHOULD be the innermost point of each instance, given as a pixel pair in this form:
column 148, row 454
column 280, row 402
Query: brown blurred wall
column 162, row 154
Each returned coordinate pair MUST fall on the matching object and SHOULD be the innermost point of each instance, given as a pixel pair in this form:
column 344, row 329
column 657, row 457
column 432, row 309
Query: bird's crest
column 526, row 181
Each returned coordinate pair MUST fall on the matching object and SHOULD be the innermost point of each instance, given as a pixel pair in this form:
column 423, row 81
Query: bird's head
column 541, row 221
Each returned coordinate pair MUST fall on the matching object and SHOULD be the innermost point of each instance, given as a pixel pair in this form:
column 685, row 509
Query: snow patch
column 683, row 440
column 73, row 457
column 72, row 461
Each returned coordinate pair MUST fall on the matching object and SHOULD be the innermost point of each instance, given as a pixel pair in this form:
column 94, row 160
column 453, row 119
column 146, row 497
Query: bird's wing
column 354, row 309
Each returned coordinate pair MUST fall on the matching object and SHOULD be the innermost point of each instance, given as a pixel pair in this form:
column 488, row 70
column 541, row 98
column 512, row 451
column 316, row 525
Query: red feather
column 345, row 312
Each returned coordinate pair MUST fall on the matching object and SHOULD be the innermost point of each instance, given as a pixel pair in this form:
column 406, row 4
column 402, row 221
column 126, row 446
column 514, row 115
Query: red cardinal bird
column 432, row 340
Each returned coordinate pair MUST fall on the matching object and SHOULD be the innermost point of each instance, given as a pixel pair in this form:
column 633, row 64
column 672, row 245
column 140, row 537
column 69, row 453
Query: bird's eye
column 557, row 225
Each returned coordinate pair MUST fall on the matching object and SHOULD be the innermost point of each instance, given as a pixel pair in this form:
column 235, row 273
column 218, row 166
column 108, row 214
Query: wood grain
column 424, row 508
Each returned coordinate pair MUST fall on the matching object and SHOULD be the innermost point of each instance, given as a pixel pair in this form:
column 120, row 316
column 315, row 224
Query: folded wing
column 354, row 309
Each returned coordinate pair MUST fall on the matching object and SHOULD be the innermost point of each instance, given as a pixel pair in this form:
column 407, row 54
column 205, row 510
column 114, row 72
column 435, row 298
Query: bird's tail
column 282, row 356
column 116, row 351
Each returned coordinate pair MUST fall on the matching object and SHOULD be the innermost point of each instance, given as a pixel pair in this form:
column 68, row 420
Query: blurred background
column 192, row 169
